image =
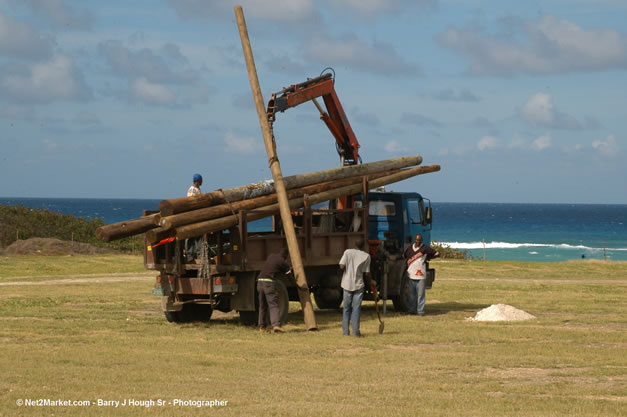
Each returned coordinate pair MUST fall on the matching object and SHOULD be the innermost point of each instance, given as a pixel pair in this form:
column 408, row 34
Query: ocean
column 498, row 231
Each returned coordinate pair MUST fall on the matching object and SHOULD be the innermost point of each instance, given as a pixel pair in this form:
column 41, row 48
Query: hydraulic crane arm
column 335, row 118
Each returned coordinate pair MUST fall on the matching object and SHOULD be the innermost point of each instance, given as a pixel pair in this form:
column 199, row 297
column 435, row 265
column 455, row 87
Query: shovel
column 376, row 306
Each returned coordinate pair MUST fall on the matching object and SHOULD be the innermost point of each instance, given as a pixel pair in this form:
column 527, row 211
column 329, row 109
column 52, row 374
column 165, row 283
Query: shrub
column 446, row 252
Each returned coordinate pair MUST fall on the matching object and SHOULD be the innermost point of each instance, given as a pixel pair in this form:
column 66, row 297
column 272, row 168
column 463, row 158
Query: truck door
column 417, row 221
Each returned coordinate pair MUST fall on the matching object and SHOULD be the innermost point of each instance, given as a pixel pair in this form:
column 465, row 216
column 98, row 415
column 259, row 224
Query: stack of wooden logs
column 187, row 217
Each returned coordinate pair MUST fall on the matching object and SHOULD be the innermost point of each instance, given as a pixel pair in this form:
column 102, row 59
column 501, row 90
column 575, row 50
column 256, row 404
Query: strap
column 230, row 206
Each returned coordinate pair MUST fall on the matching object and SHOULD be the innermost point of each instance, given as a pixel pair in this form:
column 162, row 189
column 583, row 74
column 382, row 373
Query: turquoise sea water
column 533, row 232
column 526, row 232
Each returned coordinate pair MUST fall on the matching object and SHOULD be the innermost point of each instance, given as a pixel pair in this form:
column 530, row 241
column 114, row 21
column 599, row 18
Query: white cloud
column 546, row 46
column 350, row 51
column 284, row 63
column 55, row 79
column 288, row 10
column 419, row 120
column 161, row 76
column 291, row 10
column 364, row 118
column 451, row 95
column 488, row 142
column 394, row 146
column 517, row 143
column 50, row 145
column 15, row 111
column 241, row 144
column 146, row 63
column 151, row 93
column 374, row 7
column 62, row 14
column 539, row 111
column 86, row 119
column 541, row 143
column 20, row 40
column 607, row 147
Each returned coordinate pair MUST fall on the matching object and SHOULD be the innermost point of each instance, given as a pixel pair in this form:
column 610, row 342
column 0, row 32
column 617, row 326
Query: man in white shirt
column 193, row 246
column 355, row 263
column 195, row 188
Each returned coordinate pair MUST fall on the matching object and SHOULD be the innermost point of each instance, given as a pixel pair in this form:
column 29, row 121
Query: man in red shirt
column 417, row 256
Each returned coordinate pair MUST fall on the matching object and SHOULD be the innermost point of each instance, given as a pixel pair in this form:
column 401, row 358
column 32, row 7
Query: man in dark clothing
column 268, row 292
column 417, row 256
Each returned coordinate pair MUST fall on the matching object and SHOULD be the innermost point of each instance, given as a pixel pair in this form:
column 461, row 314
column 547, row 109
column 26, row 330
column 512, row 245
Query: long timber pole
column 214, row 225
column 275, row 167
column 221, row 210
column 243, row 192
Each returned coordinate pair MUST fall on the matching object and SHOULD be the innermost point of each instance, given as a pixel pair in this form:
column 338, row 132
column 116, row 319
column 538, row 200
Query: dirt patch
column 50, row 246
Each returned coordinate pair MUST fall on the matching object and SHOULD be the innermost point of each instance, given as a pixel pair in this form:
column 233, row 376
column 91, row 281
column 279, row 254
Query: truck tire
column 251, row 318
column 401, row 301
column 172, row 316
column 328, row 298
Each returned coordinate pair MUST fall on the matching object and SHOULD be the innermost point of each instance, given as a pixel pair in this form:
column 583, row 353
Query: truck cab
column 395, row 218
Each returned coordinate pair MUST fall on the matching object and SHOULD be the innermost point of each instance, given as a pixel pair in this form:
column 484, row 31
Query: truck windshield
column 415, row 211
column 382, row 208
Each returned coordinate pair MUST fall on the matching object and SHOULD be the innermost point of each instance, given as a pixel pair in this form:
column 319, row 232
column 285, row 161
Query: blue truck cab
column 396, row 218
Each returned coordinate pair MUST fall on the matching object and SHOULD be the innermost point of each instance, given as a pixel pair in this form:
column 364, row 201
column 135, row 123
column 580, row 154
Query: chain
column 203, row 272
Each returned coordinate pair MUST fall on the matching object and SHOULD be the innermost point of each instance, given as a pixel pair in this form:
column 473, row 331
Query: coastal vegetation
column 20, row 223
column 94, row 339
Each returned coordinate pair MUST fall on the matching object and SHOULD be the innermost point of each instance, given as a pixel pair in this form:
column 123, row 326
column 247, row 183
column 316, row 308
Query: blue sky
column 517, row 101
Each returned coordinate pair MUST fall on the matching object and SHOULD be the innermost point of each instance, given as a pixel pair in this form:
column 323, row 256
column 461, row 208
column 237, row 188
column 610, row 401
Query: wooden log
column 281, row 191
column 221, row 210
column 158, row 234
column 126, row 228
column 243, row 192
column 214, row 225
column 159, row 230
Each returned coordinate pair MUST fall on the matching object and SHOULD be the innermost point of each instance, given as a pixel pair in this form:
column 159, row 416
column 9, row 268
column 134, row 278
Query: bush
column 446, row 252
column 25, row 223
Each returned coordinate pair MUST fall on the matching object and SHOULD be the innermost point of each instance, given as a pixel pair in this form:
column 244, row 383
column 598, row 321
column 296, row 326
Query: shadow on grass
column 332, row 318
column 446, row 308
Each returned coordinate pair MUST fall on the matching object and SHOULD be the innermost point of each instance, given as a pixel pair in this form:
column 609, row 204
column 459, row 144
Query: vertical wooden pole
column 268, row 138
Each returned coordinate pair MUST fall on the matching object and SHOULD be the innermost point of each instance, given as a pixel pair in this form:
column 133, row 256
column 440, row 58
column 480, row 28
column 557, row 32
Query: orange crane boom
column 323, row 86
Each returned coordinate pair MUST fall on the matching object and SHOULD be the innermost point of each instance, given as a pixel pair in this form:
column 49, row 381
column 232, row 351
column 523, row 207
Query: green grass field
column 91, row 339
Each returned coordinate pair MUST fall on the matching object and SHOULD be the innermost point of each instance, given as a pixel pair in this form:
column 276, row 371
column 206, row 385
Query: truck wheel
column 401, row 301
column 172, row 316
column 251, row 318
column 328, row 298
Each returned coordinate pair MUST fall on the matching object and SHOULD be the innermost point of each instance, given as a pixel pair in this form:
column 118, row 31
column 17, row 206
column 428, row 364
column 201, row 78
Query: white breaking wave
column 507, row 245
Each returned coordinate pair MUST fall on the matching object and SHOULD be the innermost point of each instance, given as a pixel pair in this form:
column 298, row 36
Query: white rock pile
column 501, row 312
